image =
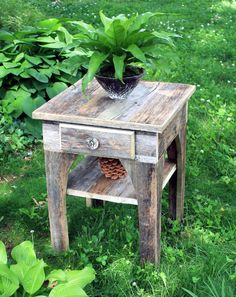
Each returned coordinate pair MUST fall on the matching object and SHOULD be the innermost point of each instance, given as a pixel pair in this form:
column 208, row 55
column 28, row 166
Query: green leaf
column 37, row 75
column 46, row 71
column 48, row 61
column 55, row 45
column 34, row 278
column 3, row 72
column 119, row 66
column 190, row 293
column 56, row 275
column 67, row 37
column 67, row 290
column 105, row 20
column 26, row 65
column 136, row 52
column 46, row 39
column 24, row 253
column 34, row 60
column 94, row 64
column 6, row 36
column 8, row 65
column 28, row 87
column 142, row 19
column 8, row 281
column 30, row 105
column 81, row 277
column 163, row 37
column 20, row 270
column 3, row 253
column 82, row 26
column 19, row 57
column 116, row 33
column 49, row 24
column 3, row 58
column 55, row 89
column 34, row 127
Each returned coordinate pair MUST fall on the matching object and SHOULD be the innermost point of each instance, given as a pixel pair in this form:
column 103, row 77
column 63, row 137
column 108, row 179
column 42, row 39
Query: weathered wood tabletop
column 150, row 107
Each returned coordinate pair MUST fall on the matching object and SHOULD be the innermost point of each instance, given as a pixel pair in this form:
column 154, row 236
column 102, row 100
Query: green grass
column 198, row 255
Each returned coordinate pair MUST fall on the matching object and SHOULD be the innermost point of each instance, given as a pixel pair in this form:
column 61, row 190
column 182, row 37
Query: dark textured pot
column 117, row 89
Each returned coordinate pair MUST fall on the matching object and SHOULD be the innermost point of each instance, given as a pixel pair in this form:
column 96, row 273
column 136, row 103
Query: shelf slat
column 87, row 181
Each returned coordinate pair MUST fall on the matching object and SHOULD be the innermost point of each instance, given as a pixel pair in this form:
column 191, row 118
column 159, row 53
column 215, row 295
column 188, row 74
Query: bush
column 34, row 68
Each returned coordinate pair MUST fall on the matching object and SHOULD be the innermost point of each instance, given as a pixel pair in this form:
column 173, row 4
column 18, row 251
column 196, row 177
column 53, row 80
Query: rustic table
column 147, row 132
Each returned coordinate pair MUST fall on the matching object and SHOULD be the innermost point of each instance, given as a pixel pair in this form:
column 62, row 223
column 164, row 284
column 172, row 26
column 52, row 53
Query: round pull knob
column 92, row 143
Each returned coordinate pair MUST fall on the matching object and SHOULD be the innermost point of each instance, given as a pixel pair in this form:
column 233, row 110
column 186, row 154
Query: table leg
column 147, row 180
column 177, row 154
column 57, row 166
column 94, row 202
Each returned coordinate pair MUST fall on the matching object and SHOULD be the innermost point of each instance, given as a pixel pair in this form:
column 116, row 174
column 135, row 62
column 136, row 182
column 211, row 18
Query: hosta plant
column 33, row 67
column 122, row 46
column 26, row 277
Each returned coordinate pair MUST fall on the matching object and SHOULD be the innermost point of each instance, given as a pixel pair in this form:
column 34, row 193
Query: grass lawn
column 200, row 254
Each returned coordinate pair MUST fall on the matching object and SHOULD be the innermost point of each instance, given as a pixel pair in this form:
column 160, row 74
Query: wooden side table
column 147, row 132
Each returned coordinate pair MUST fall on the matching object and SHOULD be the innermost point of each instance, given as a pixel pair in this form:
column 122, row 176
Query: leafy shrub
column 27, row 276
column 33, row 68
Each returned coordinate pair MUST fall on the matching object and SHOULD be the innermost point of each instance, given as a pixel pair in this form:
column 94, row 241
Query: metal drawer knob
column 92, row 143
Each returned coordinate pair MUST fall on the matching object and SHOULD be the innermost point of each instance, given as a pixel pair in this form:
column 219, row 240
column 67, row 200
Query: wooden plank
column 108, row 142
column 150, row 107
column 57, row 167
column 87, row 181
column 145, row 143
column 181, row 159
column 145, row 147
column 148, row 180
column 171, row 131
column 51, row 137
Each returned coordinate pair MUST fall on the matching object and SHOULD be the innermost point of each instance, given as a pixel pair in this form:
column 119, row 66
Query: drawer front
column 96, row 141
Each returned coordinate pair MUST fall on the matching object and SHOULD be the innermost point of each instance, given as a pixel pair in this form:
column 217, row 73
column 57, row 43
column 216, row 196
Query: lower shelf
column 88, row 181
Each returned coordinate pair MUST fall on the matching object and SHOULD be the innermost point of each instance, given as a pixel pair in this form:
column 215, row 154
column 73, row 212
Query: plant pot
column 112, row 168
column 117, row 89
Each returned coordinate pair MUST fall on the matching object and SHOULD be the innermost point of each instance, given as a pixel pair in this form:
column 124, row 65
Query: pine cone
column 112, row 168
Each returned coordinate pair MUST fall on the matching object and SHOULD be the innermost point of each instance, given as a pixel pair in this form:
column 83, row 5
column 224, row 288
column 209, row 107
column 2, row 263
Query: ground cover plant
column 26, row 277
column 198, row 257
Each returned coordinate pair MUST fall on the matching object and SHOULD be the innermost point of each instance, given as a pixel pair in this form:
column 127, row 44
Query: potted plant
column 120, row 51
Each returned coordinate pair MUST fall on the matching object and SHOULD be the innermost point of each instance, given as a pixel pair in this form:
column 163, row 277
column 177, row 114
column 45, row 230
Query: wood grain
column 150, row 107
column 87, row 181
column 57, row 167
column 171, row 131
column 181, row 159
column 148, row 181
column 111, row 142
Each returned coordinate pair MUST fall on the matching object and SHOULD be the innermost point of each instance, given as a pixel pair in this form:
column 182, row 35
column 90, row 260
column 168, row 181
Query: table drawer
column 97, row 141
